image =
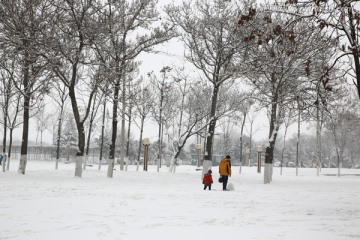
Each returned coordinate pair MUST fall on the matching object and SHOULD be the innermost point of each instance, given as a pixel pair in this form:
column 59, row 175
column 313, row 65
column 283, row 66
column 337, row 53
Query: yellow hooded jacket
column 225, row 167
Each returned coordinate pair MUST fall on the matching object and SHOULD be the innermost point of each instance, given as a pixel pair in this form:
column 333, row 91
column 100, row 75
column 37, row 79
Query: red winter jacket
column 207, row 179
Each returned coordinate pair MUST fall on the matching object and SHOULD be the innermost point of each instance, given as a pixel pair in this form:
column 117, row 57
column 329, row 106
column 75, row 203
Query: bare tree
column 92, row 120
column 70, row 55
column 105, row 92
column 282, row 45
column 239, row 113
column 10, row 102
column 326, row 84
column 122, row 44
column 42, row 120
column 207, row 30
column 143, row 105
column 7, row 93
column 162, row 88
column 186, row 110
column 23, row 25
column 14, row 123
column 353, row 143
column 187, row 114
column 340, row 127
column 253, row 113
column 60, row 96
column 227, row 126
column 240, row 117
column 133, row 85
column 341, row 18
column 288, row 120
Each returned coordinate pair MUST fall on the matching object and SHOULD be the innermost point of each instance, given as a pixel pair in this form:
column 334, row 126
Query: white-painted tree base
column 78, row 166
column 22, row 164
column 172, row 168
column 267, row 173
column 4, row 162
column 206, row 167
column 110, row 168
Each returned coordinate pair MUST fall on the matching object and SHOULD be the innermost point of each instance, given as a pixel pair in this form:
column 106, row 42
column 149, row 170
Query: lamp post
column 259, row 151
column 199, row 148
column 146, row 143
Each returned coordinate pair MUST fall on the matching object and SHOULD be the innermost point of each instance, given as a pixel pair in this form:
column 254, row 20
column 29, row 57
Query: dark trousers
column 205, row 186
column 225, row 181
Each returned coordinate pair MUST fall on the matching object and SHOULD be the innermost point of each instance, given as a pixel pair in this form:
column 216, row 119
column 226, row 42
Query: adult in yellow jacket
column 225, row 171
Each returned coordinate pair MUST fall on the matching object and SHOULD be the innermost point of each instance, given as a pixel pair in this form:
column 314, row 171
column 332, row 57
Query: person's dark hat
column 210, row 171
column 227, row 156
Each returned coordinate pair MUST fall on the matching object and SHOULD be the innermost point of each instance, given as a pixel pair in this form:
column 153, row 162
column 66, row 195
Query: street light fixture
column 146, row 143
column 259, row 150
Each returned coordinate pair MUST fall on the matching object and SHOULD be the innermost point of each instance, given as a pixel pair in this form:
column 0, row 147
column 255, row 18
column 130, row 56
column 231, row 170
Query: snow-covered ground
column 53, row 204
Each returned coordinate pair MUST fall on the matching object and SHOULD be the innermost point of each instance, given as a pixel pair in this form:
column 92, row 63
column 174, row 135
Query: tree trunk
column 269, row 153
column 5, row 133
column 58, row 137
column 128, row 140
column 241, row 142
column 26, row 116
column 11, row 129
column 81, row 148
column 297, row 143
column 338, row 161
column 140, row 141
column 93, row 112
column 357, row 71
column 25, row 135
column 318, row 139
column 174, row 162
column 111, row 161
column 160, row 124
column 210, row 136
column 81, row 133
column 250, row 143
column 7, row 93
column 9, row 149
column 102, row 134
column 172, row 168
column 353, row 41
column 160, row 147
column 114, row 130
column 283, row 150
column 122, row 132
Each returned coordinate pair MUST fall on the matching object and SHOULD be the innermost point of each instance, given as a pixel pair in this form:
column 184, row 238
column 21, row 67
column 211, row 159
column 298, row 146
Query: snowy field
column 54, row 205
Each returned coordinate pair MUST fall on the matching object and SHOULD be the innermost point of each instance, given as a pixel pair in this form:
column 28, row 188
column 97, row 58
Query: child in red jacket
column 207, row 180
